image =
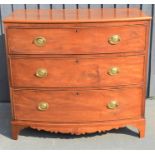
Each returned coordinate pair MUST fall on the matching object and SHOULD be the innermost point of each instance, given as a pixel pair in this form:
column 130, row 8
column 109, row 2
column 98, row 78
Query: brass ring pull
column 39, row 41
column 114, row 39
column 42, row 106
column 112, row 104
column 41, row 73
column 113, row 71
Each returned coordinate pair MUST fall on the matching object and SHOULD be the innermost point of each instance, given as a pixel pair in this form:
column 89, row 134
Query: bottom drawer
column 77, row 106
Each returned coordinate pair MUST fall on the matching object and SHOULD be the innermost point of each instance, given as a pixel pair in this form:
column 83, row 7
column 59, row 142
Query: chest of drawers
column 77, row 71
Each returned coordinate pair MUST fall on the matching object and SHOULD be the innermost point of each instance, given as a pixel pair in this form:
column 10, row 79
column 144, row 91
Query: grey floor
column 122, row 139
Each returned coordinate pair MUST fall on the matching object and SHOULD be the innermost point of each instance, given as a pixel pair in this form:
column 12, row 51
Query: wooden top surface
column 76, row 15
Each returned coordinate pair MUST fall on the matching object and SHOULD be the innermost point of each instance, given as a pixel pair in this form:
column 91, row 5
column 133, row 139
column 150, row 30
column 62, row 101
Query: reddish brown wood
column 76, row 15
column 78, row 72
column 77, row 106
column 77, row 87
column 72, row 42
column 16, row 130
column 78, row 129
column 141, row 128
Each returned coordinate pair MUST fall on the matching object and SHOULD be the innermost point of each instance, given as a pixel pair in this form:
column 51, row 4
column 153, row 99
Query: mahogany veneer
column 77, row 71
column 75, row 45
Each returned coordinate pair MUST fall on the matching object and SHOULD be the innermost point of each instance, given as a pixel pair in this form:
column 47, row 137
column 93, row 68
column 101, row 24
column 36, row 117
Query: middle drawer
column 76, row 72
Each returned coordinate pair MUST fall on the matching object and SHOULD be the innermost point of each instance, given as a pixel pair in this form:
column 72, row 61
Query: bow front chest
column 77, row 71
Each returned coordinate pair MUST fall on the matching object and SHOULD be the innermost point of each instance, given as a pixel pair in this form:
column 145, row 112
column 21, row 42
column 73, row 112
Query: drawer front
column 77, row 106
column 76, row 72
column 84, row 40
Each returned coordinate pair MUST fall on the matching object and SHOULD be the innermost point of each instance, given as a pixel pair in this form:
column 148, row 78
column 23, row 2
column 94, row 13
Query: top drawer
column 76, row 40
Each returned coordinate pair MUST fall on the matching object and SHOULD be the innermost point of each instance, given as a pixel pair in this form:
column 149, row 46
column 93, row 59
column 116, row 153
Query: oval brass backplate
column 39, row 41
column 42, row 106
column 114, row 39
column 41, row 73
column 113, row 71
column 112, row 104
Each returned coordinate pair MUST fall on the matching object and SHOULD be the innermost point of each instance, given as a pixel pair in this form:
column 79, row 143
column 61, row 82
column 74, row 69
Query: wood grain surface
column 77, row 106
column 77, row 40
column 76, row 15
column 77, row 72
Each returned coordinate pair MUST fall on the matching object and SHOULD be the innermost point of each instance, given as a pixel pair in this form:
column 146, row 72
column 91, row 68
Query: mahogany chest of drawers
column 77, row 71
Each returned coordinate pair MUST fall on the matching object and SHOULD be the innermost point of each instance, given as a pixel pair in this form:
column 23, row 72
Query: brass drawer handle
column 39, row 41
column 112, row 104
column 42, row 106
column 114, row 39
column 41, row 73
column 113, row 71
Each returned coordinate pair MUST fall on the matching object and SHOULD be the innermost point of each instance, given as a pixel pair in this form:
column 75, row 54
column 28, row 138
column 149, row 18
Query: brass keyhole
column 77, row 61
column 77, row 93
